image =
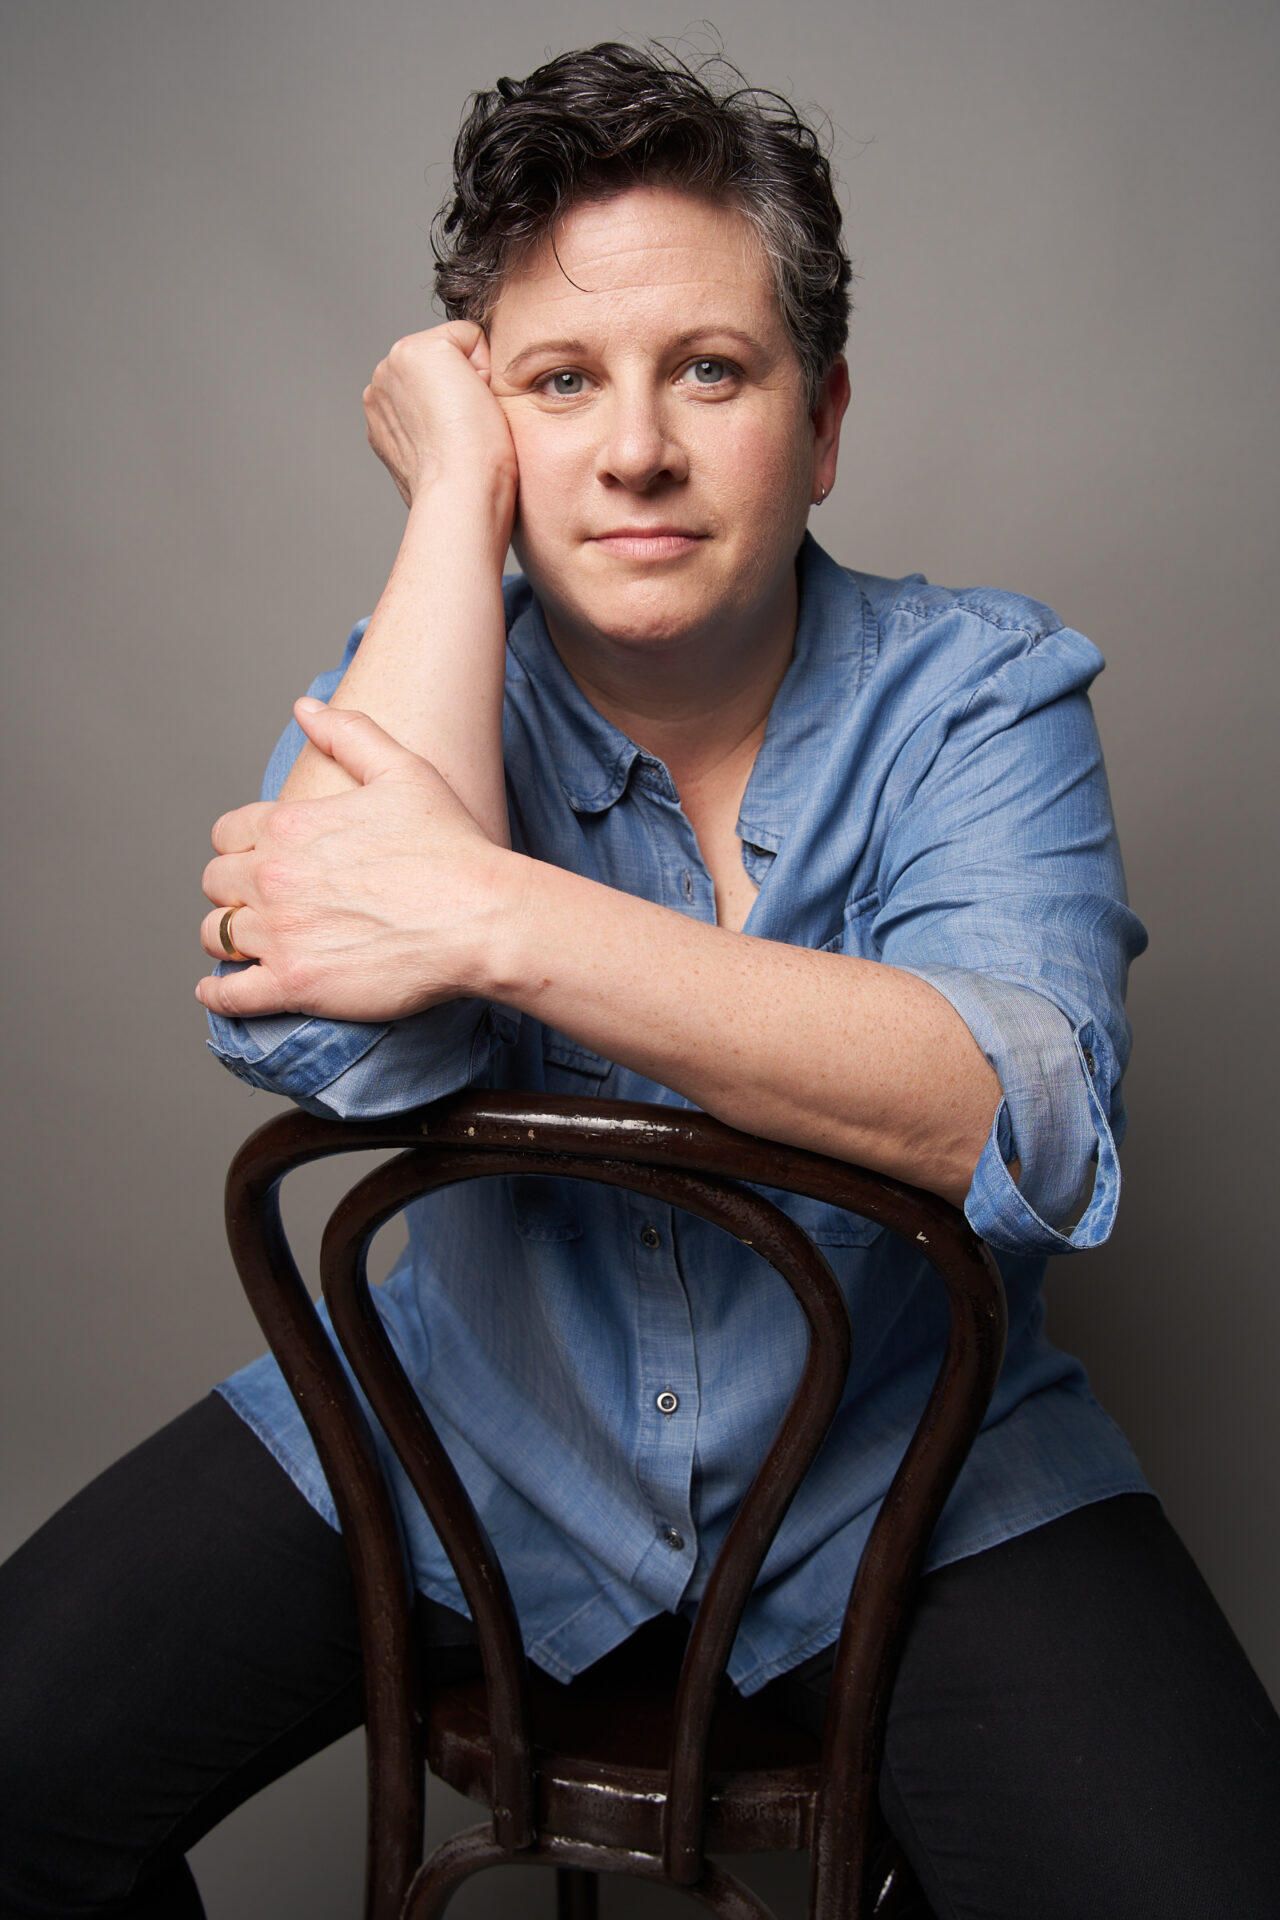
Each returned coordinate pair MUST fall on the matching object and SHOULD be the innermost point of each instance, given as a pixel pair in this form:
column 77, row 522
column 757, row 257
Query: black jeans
column 1075, row 1730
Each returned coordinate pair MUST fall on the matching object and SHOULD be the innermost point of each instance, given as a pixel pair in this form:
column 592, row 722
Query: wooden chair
column 609, row 1774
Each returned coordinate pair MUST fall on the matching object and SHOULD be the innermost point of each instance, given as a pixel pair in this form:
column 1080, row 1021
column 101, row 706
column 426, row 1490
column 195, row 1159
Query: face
column 668, row 454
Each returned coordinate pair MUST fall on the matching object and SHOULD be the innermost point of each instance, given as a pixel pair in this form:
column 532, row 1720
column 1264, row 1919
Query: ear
column 827, row 414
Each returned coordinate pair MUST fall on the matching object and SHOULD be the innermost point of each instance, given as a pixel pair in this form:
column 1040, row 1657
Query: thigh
column 181, row 1633
column 1076, row 1730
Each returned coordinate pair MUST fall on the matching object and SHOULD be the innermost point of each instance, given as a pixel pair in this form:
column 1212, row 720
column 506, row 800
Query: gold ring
column 229, row 946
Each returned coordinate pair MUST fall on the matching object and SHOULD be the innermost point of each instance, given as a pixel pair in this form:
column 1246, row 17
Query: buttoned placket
column 686, row 881
column 668, row 1370
column 667, row 1385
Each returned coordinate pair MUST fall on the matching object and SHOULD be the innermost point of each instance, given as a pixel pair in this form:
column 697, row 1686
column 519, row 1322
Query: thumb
column 357, row 743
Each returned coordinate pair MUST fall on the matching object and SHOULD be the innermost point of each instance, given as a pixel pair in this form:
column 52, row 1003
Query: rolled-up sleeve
column 1003, row 888
column 1052, row 1108
column 344, row 1068
column 347, row 1071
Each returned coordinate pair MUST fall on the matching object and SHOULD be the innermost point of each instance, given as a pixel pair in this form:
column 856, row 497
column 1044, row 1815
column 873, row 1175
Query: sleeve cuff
column 1054, row 1117
column 345, row 1070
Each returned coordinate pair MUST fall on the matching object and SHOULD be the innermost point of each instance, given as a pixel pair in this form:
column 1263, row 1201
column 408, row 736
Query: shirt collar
column 837, row 638
column 835, row 649
column 593, row 758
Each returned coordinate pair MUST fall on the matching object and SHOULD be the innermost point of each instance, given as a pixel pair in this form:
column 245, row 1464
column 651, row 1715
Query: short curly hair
column 592, row 123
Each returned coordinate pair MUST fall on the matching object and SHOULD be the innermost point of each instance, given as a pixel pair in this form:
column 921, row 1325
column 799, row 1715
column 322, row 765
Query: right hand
column 369, row 904
column 430, row 414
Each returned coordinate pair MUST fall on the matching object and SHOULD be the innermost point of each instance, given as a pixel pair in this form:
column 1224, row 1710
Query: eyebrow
column 567, row 347
column 571, row 349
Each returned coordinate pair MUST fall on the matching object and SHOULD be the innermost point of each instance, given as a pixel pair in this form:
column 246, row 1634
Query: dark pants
column 1075, row 1730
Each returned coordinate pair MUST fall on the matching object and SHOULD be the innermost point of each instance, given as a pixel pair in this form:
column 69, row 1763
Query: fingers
column 243, row 994
column 478, row 351
column 239, row 831
column 465, row 335
column 425, row 355
column 240, row 933
column 227, row 880
column 357, row 743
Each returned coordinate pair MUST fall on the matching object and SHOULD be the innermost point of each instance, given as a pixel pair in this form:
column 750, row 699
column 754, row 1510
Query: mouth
column 647, row 543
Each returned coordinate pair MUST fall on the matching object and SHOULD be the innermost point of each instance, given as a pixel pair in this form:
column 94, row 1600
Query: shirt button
column 651, row 1236
column 1090, row 1062
column 672, row 1539
column 667, row 1402
column 686, row 881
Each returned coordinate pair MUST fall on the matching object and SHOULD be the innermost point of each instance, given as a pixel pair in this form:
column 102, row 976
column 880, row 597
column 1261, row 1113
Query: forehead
column 640, row 257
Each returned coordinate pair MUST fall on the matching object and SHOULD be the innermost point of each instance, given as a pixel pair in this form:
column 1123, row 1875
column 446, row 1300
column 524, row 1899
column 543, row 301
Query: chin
column 642, row 617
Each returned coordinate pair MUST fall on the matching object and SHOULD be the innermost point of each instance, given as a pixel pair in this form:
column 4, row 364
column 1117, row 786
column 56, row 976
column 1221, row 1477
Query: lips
column 647, row 543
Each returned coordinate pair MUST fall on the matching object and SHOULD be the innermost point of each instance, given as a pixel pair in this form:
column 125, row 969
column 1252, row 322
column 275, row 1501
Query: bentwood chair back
column 611, row 1774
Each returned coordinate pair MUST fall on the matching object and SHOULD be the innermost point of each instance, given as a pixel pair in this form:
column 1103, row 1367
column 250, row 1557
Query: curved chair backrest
column 690, row 1161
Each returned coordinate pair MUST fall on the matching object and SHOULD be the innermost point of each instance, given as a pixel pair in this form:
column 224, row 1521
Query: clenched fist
column 431, row 417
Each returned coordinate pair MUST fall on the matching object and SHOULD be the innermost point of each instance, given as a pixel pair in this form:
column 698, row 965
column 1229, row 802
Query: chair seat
column 602, row 1745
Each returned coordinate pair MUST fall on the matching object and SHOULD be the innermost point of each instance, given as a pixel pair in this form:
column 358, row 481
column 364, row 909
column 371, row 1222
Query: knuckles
column 235, row 832
column 406, row 358
column 294, row 982
column 289, row 826
column 223, row 835
column 276, row 882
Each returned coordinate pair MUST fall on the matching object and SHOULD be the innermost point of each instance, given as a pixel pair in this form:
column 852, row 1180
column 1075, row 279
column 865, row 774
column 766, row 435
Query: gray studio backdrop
column 216, row 222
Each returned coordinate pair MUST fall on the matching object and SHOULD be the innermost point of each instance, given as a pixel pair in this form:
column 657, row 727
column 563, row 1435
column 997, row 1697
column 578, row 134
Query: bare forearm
column 430, row 667
column 379, row 902
column 848, row 1056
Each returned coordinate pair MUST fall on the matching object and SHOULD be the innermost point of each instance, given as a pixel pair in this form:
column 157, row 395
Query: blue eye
column 566, row 384
column 708, row 372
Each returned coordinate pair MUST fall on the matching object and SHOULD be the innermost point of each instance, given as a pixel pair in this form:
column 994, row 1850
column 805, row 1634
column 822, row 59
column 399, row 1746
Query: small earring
column 821, row 497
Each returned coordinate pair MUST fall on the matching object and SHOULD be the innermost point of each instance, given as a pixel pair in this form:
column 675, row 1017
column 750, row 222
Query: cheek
column 750, row 449
column 549, row 464
column 765, row 471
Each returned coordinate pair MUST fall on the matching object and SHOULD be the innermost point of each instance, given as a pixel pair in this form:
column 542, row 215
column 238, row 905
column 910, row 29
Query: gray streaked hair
column 592, row 123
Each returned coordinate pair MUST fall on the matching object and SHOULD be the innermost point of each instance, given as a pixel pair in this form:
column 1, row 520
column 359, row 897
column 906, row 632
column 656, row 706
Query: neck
column 696, row 703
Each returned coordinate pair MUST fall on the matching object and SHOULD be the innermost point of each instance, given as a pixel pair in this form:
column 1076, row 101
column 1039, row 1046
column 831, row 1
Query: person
column 685, row 812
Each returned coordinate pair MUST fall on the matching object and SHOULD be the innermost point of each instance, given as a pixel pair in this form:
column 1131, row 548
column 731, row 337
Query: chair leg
column 577, row 1894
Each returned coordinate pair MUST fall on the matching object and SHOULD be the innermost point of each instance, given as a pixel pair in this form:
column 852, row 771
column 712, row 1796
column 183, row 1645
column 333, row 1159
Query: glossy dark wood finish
column 345, row 1445
column 603, row 1750
column 697, row 1768
column 474, row 1849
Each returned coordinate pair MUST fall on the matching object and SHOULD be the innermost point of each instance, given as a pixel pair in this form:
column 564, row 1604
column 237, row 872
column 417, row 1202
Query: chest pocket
column 856, row 936
column 570, row 1068
column 547, row 1209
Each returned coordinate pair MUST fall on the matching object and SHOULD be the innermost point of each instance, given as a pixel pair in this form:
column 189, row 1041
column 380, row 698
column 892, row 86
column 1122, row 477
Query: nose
column 639, row 449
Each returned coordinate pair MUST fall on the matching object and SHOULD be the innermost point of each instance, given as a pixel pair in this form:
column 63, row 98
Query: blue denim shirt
column 929, row 793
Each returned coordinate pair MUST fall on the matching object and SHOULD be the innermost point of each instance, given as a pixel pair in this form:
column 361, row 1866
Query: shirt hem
column 993, row 1536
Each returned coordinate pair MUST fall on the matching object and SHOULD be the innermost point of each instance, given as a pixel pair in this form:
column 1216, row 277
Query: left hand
column 365, row 905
